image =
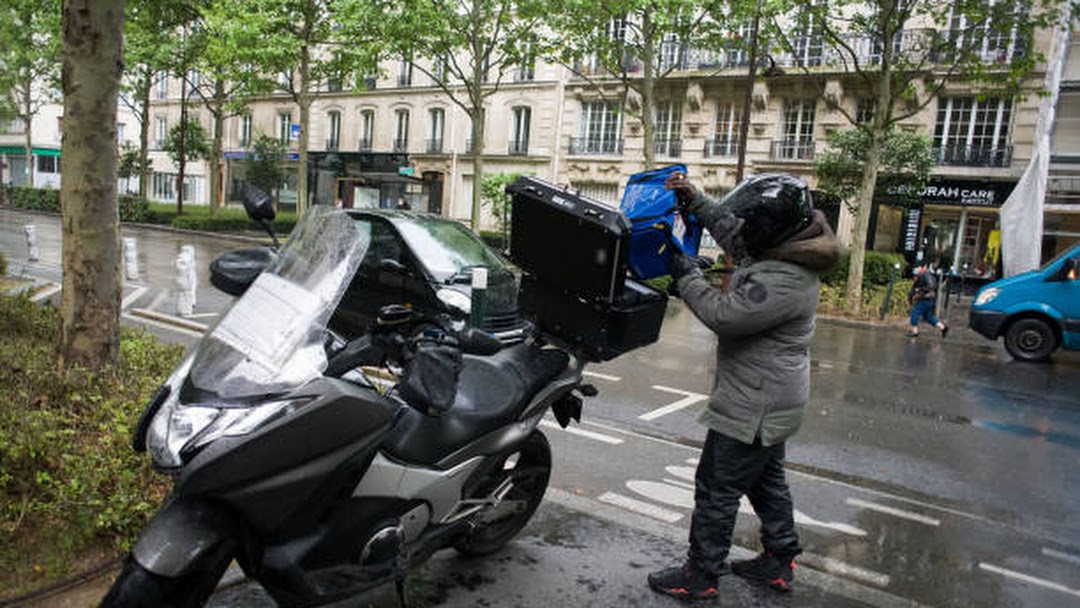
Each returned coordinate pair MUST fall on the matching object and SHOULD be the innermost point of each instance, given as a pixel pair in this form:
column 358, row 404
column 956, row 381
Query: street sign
column 406, row 171
column 294, row 131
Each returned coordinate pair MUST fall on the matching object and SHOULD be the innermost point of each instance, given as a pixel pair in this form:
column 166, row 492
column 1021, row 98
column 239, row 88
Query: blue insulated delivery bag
column 652, row 213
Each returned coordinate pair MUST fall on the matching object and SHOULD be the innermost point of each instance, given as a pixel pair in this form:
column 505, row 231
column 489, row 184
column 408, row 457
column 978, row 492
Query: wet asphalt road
column 930, row 472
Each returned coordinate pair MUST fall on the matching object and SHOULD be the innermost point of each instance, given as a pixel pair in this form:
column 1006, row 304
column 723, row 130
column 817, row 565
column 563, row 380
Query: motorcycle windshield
column 272, row 339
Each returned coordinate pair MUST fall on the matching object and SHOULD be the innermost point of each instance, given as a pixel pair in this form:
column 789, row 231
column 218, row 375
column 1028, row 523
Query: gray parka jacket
column 763, row 322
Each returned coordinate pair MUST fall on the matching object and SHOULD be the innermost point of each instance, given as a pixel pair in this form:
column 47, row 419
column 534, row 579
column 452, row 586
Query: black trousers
column 728, row 469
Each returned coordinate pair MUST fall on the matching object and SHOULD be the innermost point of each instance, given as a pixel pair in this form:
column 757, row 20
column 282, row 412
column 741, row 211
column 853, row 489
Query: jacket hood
column 814, row 248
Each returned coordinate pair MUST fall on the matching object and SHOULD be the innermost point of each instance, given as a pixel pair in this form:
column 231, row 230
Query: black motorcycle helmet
column 773, row 206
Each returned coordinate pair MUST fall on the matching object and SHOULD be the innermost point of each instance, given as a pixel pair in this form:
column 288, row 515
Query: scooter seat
column 492, row 392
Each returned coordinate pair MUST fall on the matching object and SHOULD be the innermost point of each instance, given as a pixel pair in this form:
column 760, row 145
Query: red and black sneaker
column 685, row 583
column 767, row 569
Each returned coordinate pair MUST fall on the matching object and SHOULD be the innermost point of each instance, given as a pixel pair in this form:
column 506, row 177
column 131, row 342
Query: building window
column 48, row 164
column 985, row 38
column 798, row 139
column 439, row 69
column 333, row 130
column 600, row 130
column 668, row 129
column 121, row 131
column 436, row 122
column 285, row 81
column 245, row 130
column 973, row 132
column 519, row 130
column 404, row 73
column 162, row 84
column 284, row 120
column 367, row 130
column 401, row 133
column 726, row 131
column 671, row 52
column 597, row 190
column 809, row 43
column 333, row 84
column 527, row 69
column 162, row 132
column 194, row 78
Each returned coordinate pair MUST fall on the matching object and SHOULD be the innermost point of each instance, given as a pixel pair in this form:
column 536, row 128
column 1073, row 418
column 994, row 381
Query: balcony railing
column 404, row 80
column 722, row 146
column 518, row 147
column 524, row 74
column 400, row 145
column 974, row 156
column 793, row 149
column 433, row 146
column 596, row 146
column 671, row 148
column 364, row 145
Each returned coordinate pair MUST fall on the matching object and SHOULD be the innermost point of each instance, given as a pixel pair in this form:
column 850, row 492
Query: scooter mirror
column 257, row 203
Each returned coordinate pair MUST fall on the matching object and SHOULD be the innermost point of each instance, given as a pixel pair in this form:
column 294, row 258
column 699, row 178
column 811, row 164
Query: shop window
column 48, row 164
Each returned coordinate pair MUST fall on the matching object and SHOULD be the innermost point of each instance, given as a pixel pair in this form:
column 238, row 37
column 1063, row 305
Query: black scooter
column 320, row 479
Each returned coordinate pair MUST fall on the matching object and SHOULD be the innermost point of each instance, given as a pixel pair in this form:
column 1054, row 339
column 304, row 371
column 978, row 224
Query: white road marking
column 661, row 492
column 835, row 566
column 686, row 473
column 132, row 297
column 168, row 326
column 201, row 315
column 640, row 507
column 1069, row 557
column 873, row 506
column 601, row 376
column 806, row 520
column 679, row 484
column 48, row 292
column 688, row 399
column 825, row 364
column 582, row 433
column 1027, row 578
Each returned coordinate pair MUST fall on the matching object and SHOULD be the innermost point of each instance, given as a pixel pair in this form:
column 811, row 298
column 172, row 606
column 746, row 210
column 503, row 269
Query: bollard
column 131, row 259
column 185, row 281
column 478, row 310
column 31, row 242
column 193, row 281
column 889, row 290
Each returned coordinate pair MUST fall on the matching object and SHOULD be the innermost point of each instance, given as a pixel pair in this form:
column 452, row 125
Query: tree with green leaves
column 305, row 42
column 90, row 299
column 30, row 55
column 151, row 46
column 643, row 45
column 493, row 194
column 899, row 56
column 904, row 166
column 187, row 142
column 466, row 48
column 262, row 168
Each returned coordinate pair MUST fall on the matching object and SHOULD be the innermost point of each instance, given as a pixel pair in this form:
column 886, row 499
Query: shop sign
column 910, row 236
column 960, row 193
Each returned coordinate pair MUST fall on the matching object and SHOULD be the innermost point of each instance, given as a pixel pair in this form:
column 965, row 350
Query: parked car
column 420, row 260
column 1036, row 312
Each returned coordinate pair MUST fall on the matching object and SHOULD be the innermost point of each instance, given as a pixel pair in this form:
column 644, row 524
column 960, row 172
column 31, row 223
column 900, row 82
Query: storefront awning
column 21, row 151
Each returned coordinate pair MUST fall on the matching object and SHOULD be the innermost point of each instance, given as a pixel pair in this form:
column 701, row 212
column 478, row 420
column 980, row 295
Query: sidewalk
column 581, row 553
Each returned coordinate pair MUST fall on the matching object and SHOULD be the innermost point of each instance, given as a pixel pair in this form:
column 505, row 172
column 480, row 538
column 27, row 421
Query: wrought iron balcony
column 793, row 149
column 671, row 148
column 595, row 146
column 725, row 146
column 518, row 147
column 364, row 145
column 974, row 156
column 401, row 145
column 434, row 146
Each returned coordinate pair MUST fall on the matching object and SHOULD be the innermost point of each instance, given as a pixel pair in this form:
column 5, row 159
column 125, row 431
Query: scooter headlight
column 987, row 295
column 178, row 430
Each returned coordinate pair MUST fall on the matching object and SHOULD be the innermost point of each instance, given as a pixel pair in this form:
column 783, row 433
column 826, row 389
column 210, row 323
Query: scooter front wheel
column 137, row 587
column 528, row 468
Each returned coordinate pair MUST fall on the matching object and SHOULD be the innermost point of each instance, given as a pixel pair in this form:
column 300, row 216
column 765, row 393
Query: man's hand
column 684, row 190
column 682, row 264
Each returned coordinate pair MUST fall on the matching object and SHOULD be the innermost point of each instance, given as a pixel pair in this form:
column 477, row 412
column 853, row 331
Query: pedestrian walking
column 763, row 322
column 923, row 301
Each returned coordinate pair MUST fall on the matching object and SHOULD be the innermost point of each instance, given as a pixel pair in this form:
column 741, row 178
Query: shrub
column 35, row 199
column 3, row 264
column 833, row 300
column 877, row 269
column 133, row 208
column 70, row 483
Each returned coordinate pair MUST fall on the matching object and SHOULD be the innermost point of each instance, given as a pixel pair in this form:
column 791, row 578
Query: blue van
column 1036, row 311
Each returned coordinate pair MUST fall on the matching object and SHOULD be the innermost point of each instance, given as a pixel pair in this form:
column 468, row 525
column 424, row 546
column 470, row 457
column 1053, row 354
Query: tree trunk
column 304, row 101
column 863, row 210
column 90, row 300
column 648, row 91
column 144, row 133
column 217, row 109
column 477, row 116
column 28, row 120
column 181, row 163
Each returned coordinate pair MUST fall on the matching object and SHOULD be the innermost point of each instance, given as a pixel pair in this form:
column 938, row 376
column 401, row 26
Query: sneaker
column 767, row 569
column 944, row 332
column 684, row 583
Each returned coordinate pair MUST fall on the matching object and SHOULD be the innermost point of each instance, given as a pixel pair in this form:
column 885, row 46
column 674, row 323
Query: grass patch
column 227, row 219
column 71, row 488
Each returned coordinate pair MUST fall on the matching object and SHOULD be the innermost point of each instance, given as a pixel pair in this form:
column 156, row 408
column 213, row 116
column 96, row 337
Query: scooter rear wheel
column 530, row 472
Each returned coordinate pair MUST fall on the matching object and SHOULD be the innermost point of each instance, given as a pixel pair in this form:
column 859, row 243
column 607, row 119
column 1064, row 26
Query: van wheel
column 1030, row 340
